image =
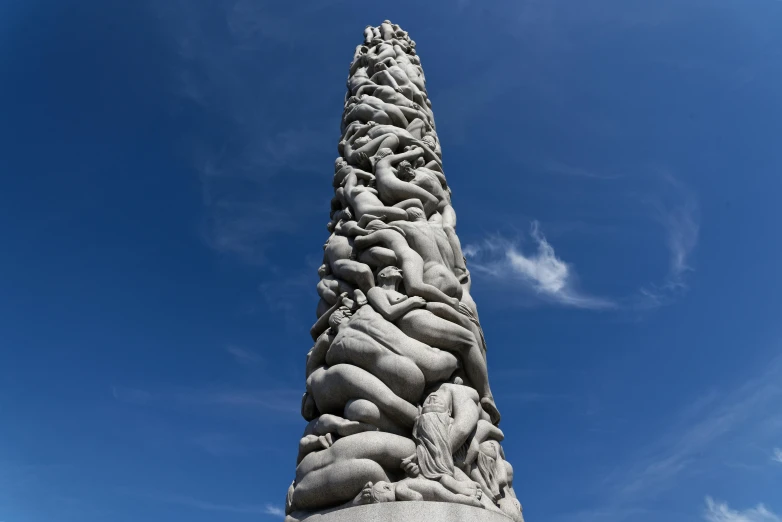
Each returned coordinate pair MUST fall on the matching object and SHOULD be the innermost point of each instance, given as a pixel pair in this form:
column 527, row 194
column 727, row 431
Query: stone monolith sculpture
column 402, row 421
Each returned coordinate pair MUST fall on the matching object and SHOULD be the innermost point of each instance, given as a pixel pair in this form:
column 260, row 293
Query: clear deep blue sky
column 166, row 174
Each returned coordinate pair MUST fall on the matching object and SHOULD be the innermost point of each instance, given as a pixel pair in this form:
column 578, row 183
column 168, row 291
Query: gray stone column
column 402, row 421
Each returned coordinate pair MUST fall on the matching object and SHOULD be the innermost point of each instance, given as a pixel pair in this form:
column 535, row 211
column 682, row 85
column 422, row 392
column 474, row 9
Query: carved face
column 390, row 274
column 406, row 172
column 435, row 403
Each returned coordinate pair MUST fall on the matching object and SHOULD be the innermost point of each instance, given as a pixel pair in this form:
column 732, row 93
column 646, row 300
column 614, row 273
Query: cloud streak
column 721, row 512
column 243, row 133
column 688, row 442
column 777, row 455
column 202, row 505
column 274, row 511
column 244, row 356
column 541, row 271
column 281, row 400
column 679, row 215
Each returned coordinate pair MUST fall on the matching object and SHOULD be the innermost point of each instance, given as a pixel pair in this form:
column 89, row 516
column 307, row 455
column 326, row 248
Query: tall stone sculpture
column 398, row 399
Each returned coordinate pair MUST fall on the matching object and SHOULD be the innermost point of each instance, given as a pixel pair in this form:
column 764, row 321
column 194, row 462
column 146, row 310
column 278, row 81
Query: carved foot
column 365, row 496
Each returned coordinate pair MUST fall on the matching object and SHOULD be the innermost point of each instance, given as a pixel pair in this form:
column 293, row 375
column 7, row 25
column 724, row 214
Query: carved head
column 323, row 270
column 339, row 163
column 435, row 403
column 363, row 140
column 405, row 172
column 389, row 274
column 491, row 467
column 429, row 141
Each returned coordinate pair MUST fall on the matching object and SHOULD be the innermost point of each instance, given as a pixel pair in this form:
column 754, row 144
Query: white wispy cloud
column 204, row 505
column 687, row 443
column 777, row 455
column 542, row 272
column 721, row 512
column 677, row 210
column 243, row 355
column 239, row 141
column 693, row 442
column 282, row 400
column 557, row 167
column 274, row 510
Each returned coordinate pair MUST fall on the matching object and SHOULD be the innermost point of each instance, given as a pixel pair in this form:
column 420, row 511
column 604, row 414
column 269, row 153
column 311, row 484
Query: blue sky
column 166, row 175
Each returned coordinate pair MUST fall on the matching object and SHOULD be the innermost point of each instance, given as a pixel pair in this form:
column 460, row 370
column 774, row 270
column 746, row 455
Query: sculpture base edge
column 405, row 512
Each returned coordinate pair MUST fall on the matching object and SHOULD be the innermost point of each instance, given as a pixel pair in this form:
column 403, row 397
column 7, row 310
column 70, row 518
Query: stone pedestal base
column 409, row 512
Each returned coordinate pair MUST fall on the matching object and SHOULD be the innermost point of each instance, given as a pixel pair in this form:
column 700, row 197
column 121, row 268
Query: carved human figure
column 448, row 416
column 369, row 345
column 329, row 287
column 333, row 387
column 363, row 141
column 411, row 263
column 394, row 54
column 397, row 78
column 412, row 489
column 371, row 35
column 432, row 325
column 364, row 112
column 359, row 82
column 405, row 365
column 495, row 475
column 434, row 182
column 396, row 138
column 337, row 474
column 363, row 199
column 321, row 432
column 432, row 244
column 392, row 189
column 337, row 254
